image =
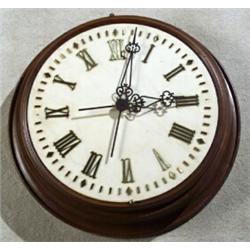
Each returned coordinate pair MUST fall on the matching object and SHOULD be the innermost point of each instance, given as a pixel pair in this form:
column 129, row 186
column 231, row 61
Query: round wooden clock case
column 129, row 219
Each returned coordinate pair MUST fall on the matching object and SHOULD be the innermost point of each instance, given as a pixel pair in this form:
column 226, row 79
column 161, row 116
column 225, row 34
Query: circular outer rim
column 145, row 218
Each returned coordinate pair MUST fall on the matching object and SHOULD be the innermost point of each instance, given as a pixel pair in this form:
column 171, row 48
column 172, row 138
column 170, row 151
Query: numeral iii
column 181, row 101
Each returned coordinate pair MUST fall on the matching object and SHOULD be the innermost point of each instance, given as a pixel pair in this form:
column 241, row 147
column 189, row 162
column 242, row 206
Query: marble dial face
column 122, row 112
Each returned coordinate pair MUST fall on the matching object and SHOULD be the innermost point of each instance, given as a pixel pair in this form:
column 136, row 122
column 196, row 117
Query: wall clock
column 124, row 126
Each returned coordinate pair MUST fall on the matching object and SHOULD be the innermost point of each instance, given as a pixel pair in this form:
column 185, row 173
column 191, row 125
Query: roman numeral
column 181, row 101
column 65, row 144
column 54, row 113
column 92, row 165
column 127, row 174
column 88, row 60
column 145, row 60
column 182, row 133
column 115, row 46
column 174, row 72
column 58, row 79
column 163, row 164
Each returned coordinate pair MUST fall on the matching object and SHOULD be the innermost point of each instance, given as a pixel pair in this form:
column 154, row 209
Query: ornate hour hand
column 137, row 103
column 167, row 98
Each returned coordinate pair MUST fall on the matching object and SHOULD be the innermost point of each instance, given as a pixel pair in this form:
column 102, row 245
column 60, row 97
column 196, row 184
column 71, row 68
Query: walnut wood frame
column 140, row 219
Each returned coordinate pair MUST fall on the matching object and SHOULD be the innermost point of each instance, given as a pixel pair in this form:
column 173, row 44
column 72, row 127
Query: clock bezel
column 45, row 187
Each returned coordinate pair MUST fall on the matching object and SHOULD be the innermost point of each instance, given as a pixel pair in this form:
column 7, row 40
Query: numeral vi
column 127, row 174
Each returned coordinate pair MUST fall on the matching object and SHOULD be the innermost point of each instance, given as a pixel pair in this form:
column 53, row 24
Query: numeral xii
column 116, row 49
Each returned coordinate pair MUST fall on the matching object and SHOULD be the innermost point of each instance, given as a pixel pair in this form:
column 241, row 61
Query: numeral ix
column 54, row 113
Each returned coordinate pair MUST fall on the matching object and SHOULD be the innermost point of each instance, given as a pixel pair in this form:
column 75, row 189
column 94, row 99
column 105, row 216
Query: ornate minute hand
column 124, row 90
column 132, row 48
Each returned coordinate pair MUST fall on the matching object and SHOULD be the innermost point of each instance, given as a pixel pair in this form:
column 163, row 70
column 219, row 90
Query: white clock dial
column 155, row 149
